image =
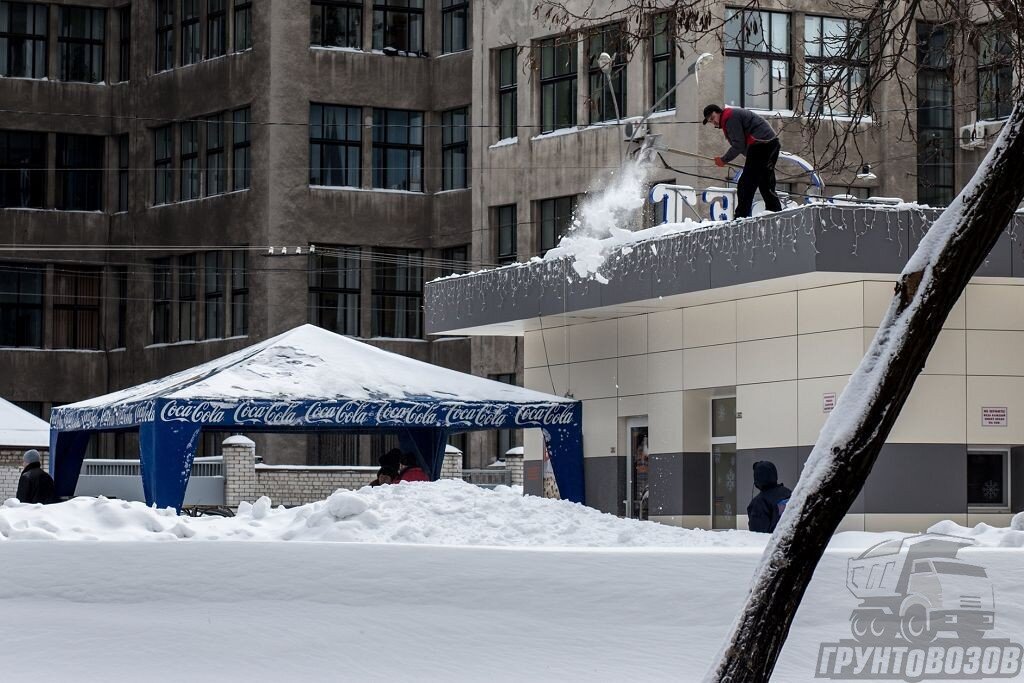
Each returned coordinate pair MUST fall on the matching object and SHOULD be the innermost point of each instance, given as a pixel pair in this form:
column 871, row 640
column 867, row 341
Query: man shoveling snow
column 750, row 135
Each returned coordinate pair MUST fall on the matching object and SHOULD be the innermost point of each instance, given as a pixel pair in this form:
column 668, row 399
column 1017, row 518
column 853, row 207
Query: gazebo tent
column 310, row 379
column 21, row 429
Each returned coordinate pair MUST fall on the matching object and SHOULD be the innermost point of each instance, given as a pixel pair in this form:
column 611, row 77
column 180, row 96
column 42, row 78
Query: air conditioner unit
column 634, row 131
column 972, row 136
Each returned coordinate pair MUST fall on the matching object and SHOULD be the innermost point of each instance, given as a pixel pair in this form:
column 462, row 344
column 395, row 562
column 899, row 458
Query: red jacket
column 413, row 474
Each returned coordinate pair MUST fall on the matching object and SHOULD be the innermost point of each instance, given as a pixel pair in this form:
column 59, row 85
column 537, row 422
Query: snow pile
column 986, row 535
column 445, row 512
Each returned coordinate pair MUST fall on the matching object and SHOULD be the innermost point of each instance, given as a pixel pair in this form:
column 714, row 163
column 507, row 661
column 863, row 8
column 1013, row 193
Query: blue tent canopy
column 310, row 379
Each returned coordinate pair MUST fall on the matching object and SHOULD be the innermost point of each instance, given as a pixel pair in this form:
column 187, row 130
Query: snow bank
column 986, row 535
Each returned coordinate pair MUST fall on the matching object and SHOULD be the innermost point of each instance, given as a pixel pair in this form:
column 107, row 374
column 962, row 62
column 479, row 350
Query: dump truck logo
column 924, row 615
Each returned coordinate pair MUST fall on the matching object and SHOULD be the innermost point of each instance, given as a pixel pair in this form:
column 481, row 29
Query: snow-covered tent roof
column 21, row 429
column 311, row 379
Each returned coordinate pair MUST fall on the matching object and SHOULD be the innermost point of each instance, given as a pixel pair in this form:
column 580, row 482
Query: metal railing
column 201, row 467
column 489, row 477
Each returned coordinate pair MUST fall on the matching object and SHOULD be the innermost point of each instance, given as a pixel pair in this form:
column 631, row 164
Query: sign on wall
column 994, row 416
column 828, row 402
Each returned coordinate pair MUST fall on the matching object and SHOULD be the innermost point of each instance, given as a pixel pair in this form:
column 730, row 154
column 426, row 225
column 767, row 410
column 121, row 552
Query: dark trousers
column 758, row 174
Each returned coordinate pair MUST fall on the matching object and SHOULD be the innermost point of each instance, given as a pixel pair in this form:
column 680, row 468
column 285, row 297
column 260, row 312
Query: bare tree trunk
column 851, row 439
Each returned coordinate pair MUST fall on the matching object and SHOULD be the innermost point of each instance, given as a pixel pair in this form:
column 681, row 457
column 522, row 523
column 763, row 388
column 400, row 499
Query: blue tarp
column 309, row 380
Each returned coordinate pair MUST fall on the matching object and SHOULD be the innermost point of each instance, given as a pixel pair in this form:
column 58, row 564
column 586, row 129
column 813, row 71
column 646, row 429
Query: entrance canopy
column 310, row 379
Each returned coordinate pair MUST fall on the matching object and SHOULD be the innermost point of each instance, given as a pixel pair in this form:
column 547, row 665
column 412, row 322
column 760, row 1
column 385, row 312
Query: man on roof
column 750, row 135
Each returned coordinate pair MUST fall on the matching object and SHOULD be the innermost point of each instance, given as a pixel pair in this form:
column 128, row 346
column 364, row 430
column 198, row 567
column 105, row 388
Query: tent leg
column 565, row 447
column 166, row 452
column 428, row 445
column 67, row 451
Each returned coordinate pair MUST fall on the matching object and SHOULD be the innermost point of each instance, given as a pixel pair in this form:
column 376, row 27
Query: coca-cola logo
column 204, row 412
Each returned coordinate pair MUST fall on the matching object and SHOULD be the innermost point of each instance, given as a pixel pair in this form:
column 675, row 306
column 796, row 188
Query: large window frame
column 335, row 145
column 242, row 15
column 508, row 98
column 554, row 218
column 163, row 158
column 76, row 307
column 558, row 83
column 215, row 160
column 663, row 61
column 191, row 185
column 455, row 149
column 162, row 272
column 241, row 149
column 398, row 149
column 123, row 170
column 995, row 72
column 988, row 479
column 454, row 26
column 832, row 61
column 936, row 135
column 335, row 286
column 120, row 275
column 397, row 293
column 188, row 293
column 506, row 231
column 216, row 28
column 213, row 295
column 124, row 43
column 239, row 293
column 82, row 44
column 164, row 42
column 758, row 46
column 610, row 38
column 22, row 292
column 79, row 172
column 398, row 25
column 23, row 166
column 191, row 32
column 336, row 24
column 23, row 53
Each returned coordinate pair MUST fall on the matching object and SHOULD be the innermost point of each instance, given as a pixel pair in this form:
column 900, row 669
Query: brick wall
column 10, row 470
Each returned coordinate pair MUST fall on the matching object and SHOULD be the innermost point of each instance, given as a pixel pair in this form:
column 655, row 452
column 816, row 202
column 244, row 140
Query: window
column 398, row 24
column 191, row 38
column 335, row 135
column 121, row 282
column 835, row 68
column 507, row 98
column 455, row 148
column 995, row 73
column 164, row 35
column 81, row 41
column 216, row 168
column 23, row 31
column 190, row 180
column 505, row 220
column 239, row 293
column 124, row 43
column 936, row 138
column 33, row 407
column 397, row 293
column 21, row 305
column 162, row 301
column 243, row 25
column 76, row 308
column 603, row 100
column 557, row 84
column 22, row 169
column 187, row 290
column 555, row 220
column 757, row 59
column 122, row 172
column 213, row 300
column 506, row 438
column 163, row 187
column 336, row 23
column 334, row 282
column 454, row 25
column 80, row 172
column 987, row 479
column 216, row 29
column 398, row 149
column 241, row 148
column 663, row 62
column 333, row 448
column 454, row 260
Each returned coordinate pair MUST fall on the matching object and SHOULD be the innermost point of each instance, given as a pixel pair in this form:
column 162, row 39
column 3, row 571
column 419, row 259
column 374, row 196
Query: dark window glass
column 555, row 220
column 505, row 438
column 33, row 407
column 80, row 172
column 124, row 47
column 23, row 31
column 334, row 283
column 603, row 100
column 757, row 59
column 216, row 28
column 121, row 282
column 507, row 98
column 188, row 279
column 333, row 448
column 454, row 260
column 163, row 178
column 216, row 163
column 454, row 25
column 239, row 293
column 995, row 72
column 163, row 299
column 213, row 300
column 663, row 62
column 190, row 179
column 164, row 35
column 398, row 25
column 336, row 23
column 835, row 68
column 936, row 138
column 455, row 148
column 335, row 135
column 191, row 37
column 241, row 146
column 398, row 149
column 81, row 43
column 398, row 293
column 243, row 25
column 21, row 305
column 557, row 84
column 22, row 169
column 723, row 417
column 505, row 222
column 987, row 479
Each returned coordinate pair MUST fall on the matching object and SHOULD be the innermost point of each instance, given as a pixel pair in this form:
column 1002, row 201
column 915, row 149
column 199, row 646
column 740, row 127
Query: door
column 637, row 460
column 723, row 462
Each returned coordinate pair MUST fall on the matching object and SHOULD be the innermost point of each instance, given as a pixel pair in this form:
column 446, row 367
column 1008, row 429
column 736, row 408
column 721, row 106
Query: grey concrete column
column 514, row 465
column 451, row 468
column 239, row 454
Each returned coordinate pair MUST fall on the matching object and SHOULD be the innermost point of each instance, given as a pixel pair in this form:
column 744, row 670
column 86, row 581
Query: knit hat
column 31, row 456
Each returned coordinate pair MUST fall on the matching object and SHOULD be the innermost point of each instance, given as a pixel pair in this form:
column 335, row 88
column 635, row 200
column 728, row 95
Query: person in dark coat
column 411, row 470
column 389, row 463
column 766, row 508
column 35, row 485
column 750, row 135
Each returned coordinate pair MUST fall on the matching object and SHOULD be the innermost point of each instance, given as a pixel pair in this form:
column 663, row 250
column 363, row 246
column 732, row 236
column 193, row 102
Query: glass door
column 723, row 462
column 637, row 460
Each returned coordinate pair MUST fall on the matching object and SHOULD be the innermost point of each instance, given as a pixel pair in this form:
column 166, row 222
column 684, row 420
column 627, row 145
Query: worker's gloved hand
column 719, row 163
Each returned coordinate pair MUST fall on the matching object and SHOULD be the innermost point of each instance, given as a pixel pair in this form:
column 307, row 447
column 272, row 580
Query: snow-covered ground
column 439, row 581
